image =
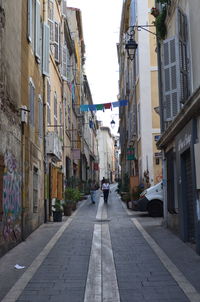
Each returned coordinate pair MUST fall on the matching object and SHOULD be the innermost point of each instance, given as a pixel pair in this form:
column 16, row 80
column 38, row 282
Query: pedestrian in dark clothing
column 106, row 190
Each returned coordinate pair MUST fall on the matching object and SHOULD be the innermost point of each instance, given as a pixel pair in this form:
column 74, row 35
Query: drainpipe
column 45, row 163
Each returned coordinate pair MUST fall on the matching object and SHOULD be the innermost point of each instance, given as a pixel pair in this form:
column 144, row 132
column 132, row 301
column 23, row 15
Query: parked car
column 151, row 201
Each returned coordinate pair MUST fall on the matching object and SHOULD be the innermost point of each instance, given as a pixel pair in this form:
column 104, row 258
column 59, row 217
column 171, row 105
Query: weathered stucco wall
column 10, row 129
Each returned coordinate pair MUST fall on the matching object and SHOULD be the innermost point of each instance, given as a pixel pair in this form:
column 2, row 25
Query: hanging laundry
column 99, row 106
column 92, row 107
column 107, row 105
column 84, row 108
column 115, row 104
column 123, row 102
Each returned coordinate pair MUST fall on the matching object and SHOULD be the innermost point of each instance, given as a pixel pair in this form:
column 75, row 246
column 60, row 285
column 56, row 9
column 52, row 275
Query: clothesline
column 96, row 107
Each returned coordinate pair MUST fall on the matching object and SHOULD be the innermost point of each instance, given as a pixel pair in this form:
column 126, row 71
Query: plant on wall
column 160, row 17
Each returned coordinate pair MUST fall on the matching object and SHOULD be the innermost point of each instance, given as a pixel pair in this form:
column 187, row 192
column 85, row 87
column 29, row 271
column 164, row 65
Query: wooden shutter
column 46, row 43
column 54, row 182
column 30, row 21
column 37, row 29
column 171, row 76
column 60, row 185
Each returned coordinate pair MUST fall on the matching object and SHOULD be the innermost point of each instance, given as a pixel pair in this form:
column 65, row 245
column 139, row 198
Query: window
column 40, row 117
column 34, row 27
column 56, row 42
column 46, row 43
column 64, row 61
column 182, row 26
column 37, row 30
column 31, row 102
column 35, row 189
column 48, row 103
column 171, row 79
column 51, row 19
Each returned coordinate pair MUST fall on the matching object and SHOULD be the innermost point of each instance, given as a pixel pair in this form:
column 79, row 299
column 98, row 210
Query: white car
column 151, row 200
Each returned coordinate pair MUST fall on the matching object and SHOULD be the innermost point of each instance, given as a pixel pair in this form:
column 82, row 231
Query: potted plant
column 57, row 210
column 72, row 195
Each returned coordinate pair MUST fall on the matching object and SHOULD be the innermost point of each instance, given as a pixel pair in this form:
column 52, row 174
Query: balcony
column 53, row 146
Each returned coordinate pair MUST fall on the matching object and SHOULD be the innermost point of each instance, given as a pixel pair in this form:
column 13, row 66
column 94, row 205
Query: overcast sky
column 101, row 23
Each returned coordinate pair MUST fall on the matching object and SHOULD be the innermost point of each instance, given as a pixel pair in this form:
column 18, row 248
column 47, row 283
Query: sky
column 101, row 24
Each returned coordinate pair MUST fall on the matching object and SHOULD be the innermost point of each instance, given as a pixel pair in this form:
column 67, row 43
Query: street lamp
column 112, row 124
column 131, row 45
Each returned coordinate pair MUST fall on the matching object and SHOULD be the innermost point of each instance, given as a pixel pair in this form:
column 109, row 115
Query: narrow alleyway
column 102, row 253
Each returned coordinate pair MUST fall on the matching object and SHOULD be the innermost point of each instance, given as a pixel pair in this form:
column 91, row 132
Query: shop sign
column 130, row 153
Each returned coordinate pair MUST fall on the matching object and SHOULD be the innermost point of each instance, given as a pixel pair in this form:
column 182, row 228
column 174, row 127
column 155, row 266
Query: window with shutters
column 40, row 117
column 64, row 8
column 64, row 62
column 31, row 102
column 182, row 32
column 55, row 112
column 51, row 19
column 45, row 55
column 56, row 42
column 30, row 20
column 35, row 189
column 37, row 30
column 69, row 65
column 48, row 103
column 171, row 75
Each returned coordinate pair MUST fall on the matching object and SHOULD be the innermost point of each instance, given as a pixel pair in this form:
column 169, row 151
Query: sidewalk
column 25, row 253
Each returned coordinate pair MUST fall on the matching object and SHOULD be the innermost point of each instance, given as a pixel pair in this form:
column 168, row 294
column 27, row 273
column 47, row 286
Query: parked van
column 151, row 200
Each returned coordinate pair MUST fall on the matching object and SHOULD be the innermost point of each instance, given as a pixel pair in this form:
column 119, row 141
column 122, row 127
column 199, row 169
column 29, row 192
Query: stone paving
column 140, row 274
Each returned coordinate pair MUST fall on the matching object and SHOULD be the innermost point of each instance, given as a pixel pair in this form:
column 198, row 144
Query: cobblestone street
column 101, row 253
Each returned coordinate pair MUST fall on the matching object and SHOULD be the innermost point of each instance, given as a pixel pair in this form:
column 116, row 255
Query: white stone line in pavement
column 20, row 285
column 101, row 280
column 93, row 291
column 102, row 210
column 109, row 279
column 183, row 283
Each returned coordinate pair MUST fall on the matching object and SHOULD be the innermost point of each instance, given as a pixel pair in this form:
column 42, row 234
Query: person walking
column 106, row 190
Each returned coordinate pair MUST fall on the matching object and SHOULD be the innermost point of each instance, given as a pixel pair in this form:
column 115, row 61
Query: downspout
column 45, row 163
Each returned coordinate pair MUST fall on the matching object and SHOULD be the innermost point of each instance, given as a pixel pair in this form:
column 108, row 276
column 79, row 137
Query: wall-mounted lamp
column 112, row 123
column 131, row 45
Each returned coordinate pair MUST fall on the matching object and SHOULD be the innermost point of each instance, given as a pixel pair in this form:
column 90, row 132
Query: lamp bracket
column 131, row 29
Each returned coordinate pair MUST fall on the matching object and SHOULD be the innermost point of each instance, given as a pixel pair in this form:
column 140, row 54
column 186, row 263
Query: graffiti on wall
column 11, row 198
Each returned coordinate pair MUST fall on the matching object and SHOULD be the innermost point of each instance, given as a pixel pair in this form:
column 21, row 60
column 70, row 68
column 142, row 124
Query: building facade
column 42, row 82
column 138, row 83
column 179, row 106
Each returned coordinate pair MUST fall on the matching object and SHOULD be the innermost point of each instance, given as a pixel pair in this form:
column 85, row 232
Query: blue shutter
column 46, row 43
column 37, row 29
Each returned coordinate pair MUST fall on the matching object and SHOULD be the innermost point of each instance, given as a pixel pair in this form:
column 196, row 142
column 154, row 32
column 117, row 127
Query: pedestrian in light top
column 106, row 190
